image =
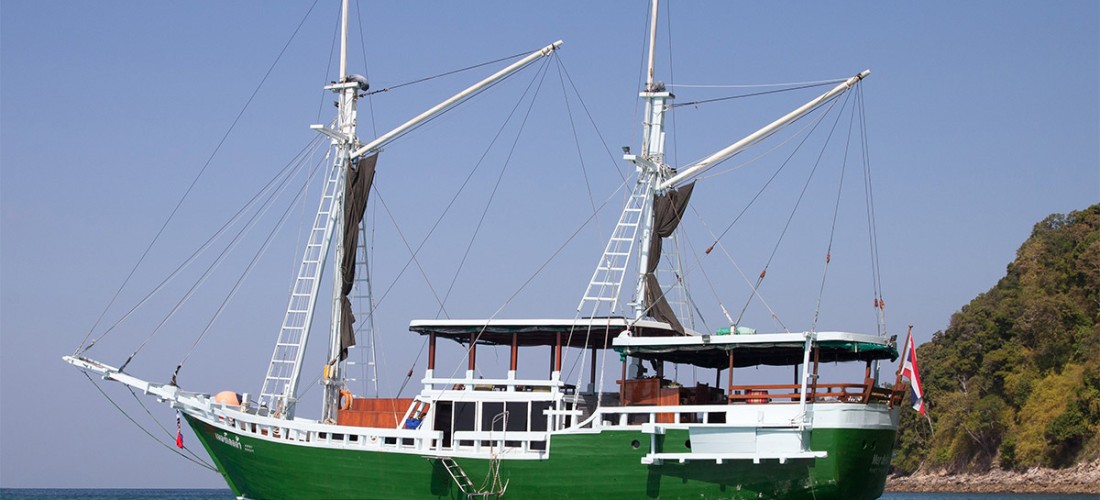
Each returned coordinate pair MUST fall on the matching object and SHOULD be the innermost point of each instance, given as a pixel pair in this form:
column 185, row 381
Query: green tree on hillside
column 1014, row 380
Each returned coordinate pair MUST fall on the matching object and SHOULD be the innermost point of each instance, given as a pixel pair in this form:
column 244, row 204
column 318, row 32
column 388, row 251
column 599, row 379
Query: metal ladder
column 279, row 384
column 362, row 301
column 607, row 279
column 671, row 276
column 465, row 485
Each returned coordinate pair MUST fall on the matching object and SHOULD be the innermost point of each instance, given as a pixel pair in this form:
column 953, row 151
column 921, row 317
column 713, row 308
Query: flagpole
column 901, row 365
column 898, row 387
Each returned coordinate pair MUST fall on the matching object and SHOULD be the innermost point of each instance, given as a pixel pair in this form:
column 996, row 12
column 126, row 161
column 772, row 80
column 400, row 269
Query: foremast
column 280, row 389
column 350, row 160
column 348, row 90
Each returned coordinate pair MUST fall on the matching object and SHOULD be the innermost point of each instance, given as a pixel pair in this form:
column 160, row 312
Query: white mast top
column 652, row 45
column 344, row 42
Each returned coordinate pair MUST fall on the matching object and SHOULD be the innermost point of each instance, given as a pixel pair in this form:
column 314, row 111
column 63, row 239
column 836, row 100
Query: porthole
column 635, row 444
column 687, row 444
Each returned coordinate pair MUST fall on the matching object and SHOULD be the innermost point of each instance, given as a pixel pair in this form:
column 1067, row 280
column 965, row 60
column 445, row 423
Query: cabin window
column 518, row 415
column 489, row 412
column 443, row 422
column 464, row 416
column 538, row 418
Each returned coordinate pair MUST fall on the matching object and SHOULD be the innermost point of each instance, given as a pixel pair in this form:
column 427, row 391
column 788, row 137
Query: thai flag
column 909, row 371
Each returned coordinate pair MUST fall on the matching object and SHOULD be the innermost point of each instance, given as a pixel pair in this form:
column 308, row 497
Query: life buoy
column 345, row 399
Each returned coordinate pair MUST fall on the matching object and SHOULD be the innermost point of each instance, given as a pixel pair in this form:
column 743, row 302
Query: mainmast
column 650, row 164
column 635, row 224
column 659, row 197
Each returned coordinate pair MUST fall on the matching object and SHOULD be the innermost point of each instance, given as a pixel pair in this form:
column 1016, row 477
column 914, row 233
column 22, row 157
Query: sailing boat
column 545, row 437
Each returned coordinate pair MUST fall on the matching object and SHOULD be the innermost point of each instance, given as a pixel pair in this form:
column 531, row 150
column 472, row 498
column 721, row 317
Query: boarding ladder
column 607, row 279
column 465, row 485
column 282, row 375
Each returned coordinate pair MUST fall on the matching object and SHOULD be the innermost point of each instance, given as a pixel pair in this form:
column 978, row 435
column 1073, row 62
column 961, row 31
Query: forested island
column 1012, row 386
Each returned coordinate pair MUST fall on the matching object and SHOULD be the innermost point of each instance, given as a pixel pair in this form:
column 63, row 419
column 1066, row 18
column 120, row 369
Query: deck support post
column 622, row 382
column 473, row 352
column 557, row 352
column 592, row 374
column 817, row 362
column 515, row 352
column 730, row 375
column 431, row 351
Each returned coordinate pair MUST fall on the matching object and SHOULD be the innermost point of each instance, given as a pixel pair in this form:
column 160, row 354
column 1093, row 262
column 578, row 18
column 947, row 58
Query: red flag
column 179, row 431
column 909, row 370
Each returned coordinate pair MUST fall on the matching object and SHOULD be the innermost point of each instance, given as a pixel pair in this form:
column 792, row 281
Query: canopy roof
column 659, row 341
column 712, row 351
column 582, row 332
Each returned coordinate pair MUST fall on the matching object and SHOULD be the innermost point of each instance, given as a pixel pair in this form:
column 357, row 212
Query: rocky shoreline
column 1084, row 478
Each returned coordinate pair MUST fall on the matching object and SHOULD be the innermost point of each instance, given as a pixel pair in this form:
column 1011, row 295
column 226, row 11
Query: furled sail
column 358, row 180
column 668, row 209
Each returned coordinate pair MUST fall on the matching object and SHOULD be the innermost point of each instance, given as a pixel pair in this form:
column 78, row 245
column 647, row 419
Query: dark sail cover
column 358, row 179
column 668, row 209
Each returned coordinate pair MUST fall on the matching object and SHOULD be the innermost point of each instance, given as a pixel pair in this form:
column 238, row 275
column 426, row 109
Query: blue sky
column 983, row 119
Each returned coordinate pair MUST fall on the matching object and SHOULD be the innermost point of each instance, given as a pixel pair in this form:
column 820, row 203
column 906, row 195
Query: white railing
column 317, row 434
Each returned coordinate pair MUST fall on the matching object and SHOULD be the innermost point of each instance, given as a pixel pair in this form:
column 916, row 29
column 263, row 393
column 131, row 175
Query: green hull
column 600, row 465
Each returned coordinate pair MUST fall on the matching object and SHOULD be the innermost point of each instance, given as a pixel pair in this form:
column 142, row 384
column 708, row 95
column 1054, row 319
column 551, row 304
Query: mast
column 650, row 164
column 635, row 226
column 346, row 122
column 280, row 388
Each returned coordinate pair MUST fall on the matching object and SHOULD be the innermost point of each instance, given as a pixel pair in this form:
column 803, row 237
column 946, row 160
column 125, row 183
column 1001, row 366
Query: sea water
column 181, row 494
column 985, row 496
column 112, row 494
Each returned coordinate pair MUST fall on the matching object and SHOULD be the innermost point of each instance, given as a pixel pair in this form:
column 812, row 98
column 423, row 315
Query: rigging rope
column 614, row 161
column 880, row 303
column 739, row 96
column 743, row 277
column 82, row 348
column 836, row 212
column 251, row 265
column 450, row 204
column 331, row 55
column 366, row 71
column 576, row 140
column 447, row 73
column 760, row 85
column 798, row 202
column 249, row 224
column 202, row 248
column 536, row 273
column 671, row 82
column 540, row 76
column 143, row 429
column 412, row 258
column 811, row 127
column 155, row 421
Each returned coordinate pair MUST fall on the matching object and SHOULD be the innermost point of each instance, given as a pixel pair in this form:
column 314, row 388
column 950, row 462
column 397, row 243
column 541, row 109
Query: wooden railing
column 866, row 392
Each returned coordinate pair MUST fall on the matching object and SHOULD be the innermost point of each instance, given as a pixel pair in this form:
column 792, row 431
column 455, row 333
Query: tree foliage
column 1014, row 380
